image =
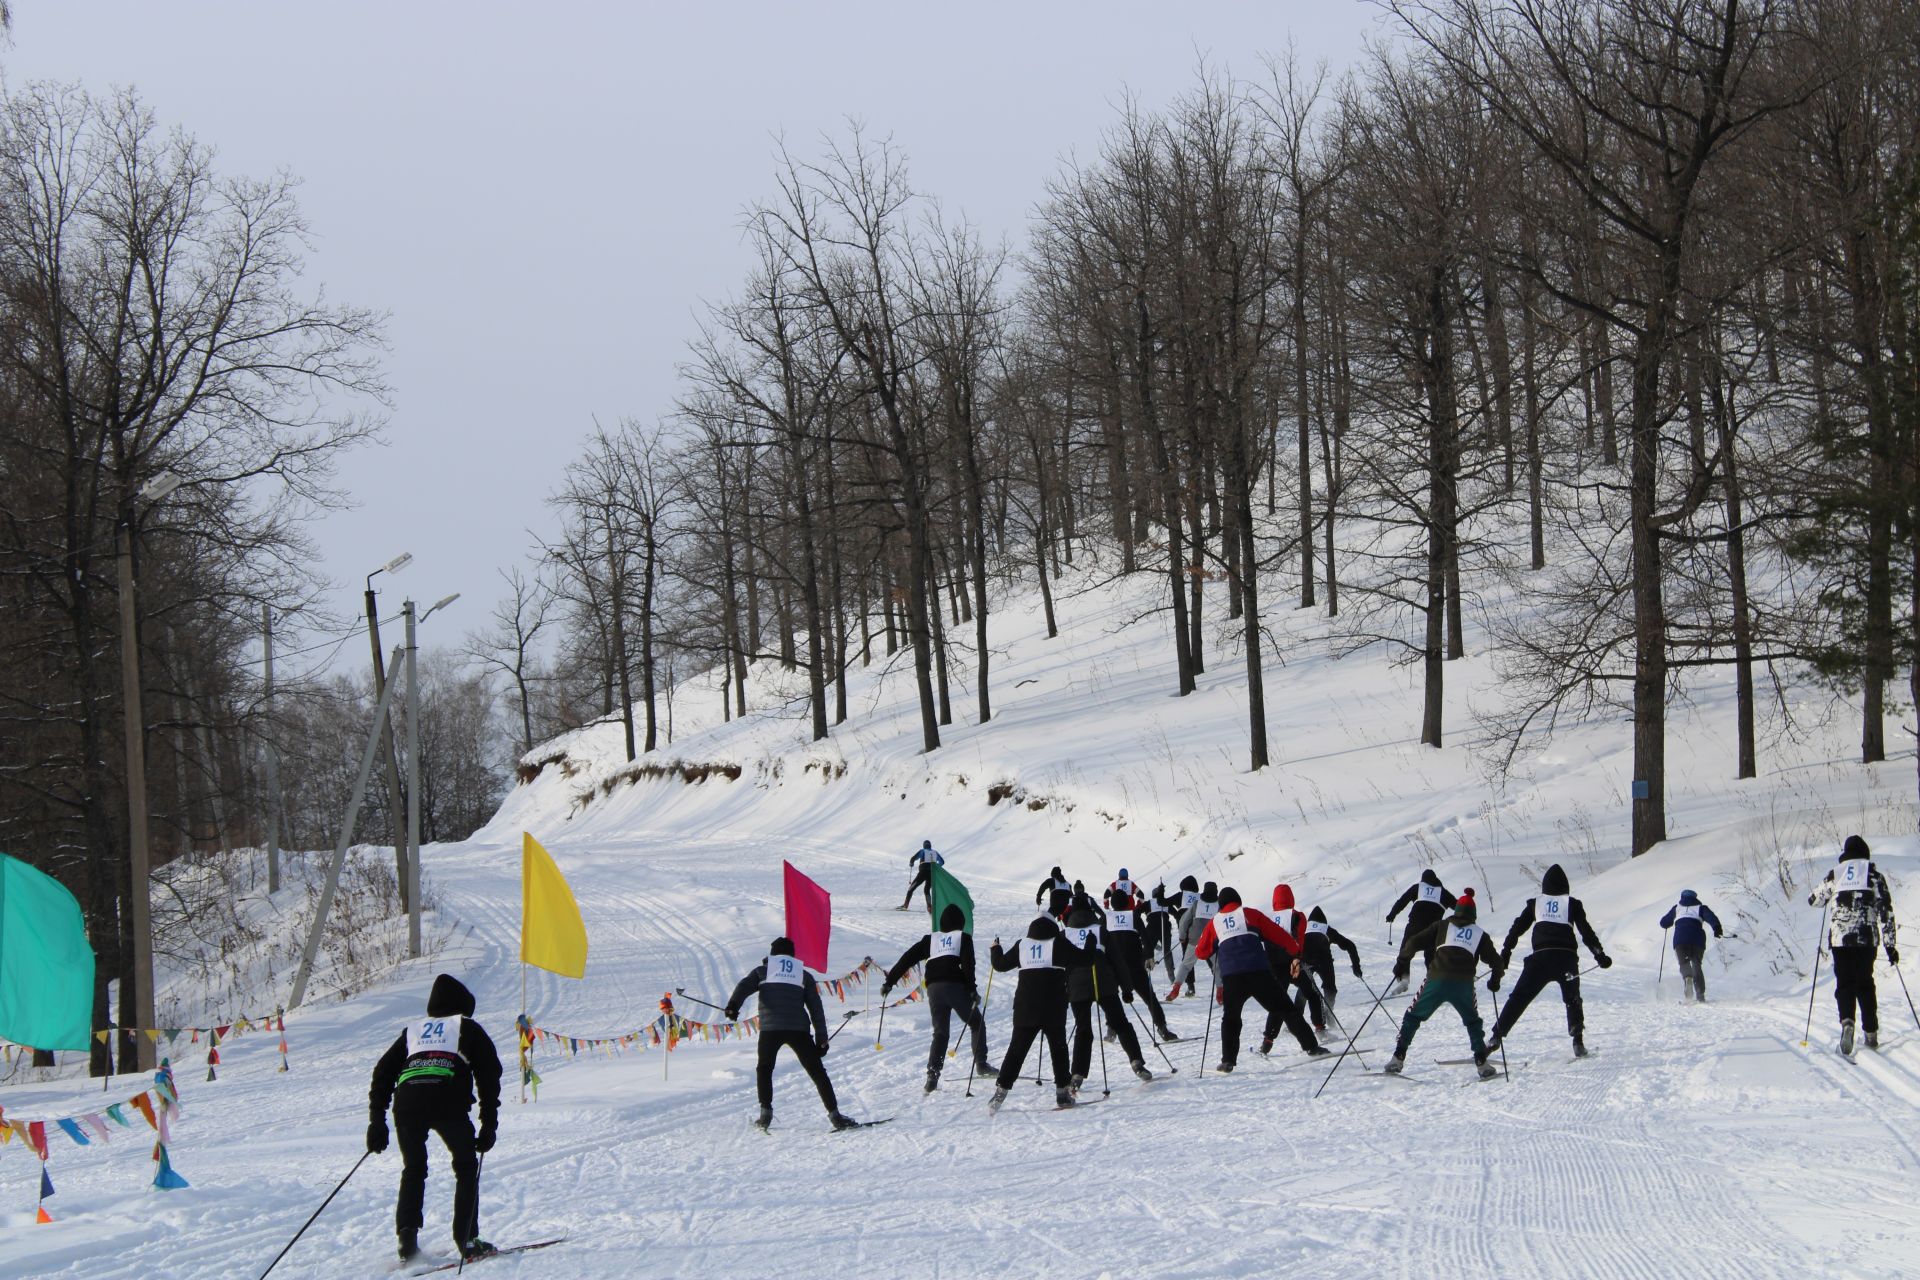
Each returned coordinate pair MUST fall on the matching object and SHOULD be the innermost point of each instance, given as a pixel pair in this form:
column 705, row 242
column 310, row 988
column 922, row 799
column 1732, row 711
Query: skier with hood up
column 1429, row 900
column 1294, row 921
column 1239, row 936
column 1159, row 925
column 1039, row 1007
column 1553, row 916
column 1205, row 907
column 789, row 1009
column 430, row 1076
column 952, row 989
column 1458, row 945
column 1317, row 953
column 1689, row 919
column 1131, row 951
column 1093, row 977
column 1861, row 915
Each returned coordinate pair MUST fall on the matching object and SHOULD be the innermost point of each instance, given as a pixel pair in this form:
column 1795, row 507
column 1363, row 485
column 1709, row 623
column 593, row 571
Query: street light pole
column 140, row 890
column 392, row 771
column 273, row 760
column 413, row 773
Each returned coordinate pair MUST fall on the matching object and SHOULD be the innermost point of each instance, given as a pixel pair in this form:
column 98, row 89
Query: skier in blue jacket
column 1689, row 919
column 923, row 860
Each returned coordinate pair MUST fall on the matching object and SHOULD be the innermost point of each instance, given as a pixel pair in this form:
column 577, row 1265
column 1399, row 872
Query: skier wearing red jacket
column 1238, row 936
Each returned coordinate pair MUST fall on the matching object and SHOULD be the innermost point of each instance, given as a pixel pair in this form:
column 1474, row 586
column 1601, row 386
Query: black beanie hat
column 1229, row 897
column 1189, row 884
column 781, row 947
column 1855, row 847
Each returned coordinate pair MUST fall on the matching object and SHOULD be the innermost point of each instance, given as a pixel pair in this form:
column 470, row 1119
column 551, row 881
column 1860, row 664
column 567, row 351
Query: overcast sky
column 543, row 194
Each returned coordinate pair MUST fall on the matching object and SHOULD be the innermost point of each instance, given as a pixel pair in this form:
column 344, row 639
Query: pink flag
column 809, row 918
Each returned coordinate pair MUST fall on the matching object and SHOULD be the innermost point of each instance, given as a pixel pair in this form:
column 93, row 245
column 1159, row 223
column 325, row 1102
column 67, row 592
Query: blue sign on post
column 1641, row 791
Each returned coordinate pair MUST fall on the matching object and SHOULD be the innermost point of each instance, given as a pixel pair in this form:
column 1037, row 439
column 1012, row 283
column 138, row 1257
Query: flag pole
column 523, row 1039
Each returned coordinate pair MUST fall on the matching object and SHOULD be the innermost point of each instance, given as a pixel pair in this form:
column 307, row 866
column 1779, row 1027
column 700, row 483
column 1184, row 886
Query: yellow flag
column 552, row 935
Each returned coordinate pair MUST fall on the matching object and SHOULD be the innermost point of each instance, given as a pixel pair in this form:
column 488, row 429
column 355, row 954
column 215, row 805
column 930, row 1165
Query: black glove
column 820, row 1046
column 1128, row 993
column 377, row 1135
column 1493, row 980
column 886, row 988
column 733, row 1014
column 489, row 1130
column 1893, row 954
column 1605, row 961
column 1356, row 968
column 974, row 997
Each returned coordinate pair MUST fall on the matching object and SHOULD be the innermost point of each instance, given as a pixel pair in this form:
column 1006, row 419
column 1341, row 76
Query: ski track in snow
column 1694, row 1133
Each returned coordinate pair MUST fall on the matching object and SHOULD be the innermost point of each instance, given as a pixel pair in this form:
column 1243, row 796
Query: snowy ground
column 1696, row 1137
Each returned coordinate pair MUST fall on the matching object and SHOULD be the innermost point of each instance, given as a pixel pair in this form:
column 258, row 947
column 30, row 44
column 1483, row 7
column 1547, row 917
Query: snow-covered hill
column 1695, row 1136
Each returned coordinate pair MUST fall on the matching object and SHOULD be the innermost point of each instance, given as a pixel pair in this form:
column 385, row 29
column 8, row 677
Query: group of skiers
column 1091, row 959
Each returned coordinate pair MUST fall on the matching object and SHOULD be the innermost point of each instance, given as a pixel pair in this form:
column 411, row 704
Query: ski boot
column 985, row 1070
column 1165, row 1034
column 993, row 1103
column 1399, row 987
column 409, row 1245
column 1873, row 1041
column 1487, row 1070
column 1062, row 1099
column 1846, row 1038
column 1579, row 1047
column 1266, row 1046
column 1319, row 1028
column 1493, row 1044
column 1224, row 1068
column 1318, row 1051
column 933, row 1081
column 475, row 1249
column 764, row 1120
column 840, row 1122
column 1140, row 1068
column 1396, row 1063
column 1074, row 1082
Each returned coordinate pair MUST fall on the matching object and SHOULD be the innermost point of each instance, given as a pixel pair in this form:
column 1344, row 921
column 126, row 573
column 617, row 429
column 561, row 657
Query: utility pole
column 273, row 760
column 139, row 871
column 384, row 727
column 413, row 789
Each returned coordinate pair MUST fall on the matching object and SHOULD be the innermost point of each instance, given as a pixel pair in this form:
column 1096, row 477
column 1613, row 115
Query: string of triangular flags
column 213, row 1036
column 668, row 1029
column 158, row 1105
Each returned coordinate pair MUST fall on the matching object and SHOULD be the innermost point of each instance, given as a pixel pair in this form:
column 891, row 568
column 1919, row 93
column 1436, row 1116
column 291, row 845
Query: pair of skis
column 459, row 1264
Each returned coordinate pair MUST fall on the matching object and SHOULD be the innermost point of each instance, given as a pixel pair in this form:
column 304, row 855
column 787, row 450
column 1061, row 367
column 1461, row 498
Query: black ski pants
column 1693, row 979
column 1022, row 1040
column 945, row 1001
column 1306, row 995
column 425, row 1108
column 802, row 1045
column 1541, row 968
column 1160, row 934
column 1853, row 986
column 1133, row 978
column 924, row 876
column 1238, row 988
column 1117, row 1022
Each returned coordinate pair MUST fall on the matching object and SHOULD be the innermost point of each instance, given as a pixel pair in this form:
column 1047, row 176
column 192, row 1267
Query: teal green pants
column 1435, row 992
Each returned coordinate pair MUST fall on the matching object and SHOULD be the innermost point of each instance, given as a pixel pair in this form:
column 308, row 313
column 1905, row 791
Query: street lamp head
column 159, row 486
column 438, row 605
column 398, row 563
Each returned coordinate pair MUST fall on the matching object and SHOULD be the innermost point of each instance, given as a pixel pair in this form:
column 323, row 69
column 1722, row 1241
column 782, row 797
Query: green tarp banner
column 46, row 966
column 946, row 889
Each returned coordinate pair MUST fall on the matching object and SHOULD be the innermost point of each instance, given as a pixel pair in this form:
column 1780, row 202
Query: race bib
column 1429, row 892
column 434, row 1035
column 1855, row 875
column 1081, row 936
column 1121, row 920
column 1316, row 926
column 785, row 969
column 1124, row 886
column 1687, row 913
column 1189, row 900
column 1036, row 953
column 1230, row 924
column 1465, row 937
column 1208, row 909
column 1555, row 910
column 1286, row 919
column 944, row 944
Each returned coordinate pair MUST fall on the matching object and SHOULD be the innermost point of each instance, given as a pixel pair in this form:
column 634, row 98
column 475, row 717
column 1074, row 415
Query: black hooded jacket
column 1096, row 958
column 1055, row 882
column 1040, row 999
column 784, row 1006
column 1424, row 913
column 473, row 1066
column 958, row 968
column 1549, row 934
column 1317, row 948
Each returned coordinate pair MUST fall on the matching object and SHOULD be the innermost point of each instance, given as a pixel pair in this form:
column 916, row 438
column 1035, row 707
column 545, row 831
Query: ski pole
column 982, row 1011
column 1660, row 977
column 1508, row 1075
column 316, row 1214
column 682, row 993
column 1212, row 996
column 1907, row 994
column 877, row 1032
column 843, row 1024
column 1816, row 975
column 478, row 1168
column 1171, row 1069
column 1100, row 1014
column 1377, row 1001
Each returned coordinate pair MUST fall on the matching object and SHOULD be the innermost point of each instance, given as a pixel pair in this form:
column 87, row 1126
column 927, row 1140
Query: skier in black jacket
column 1428, row 900
column 1055, row 883
column 951, row 989
column 1159, row 933
column 1039, row 1007
column 1092, row 977
column 1317, row 953
column 789, row 1008
column 1861, row 916
column 1553, row 916
column 430, row 1075
column 1131, row 951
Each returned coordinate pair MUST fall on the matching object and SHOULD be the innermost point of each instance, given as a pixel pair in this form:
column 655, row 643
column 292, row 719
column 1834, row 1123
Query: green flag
column 946, row 889
column 46, row 966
